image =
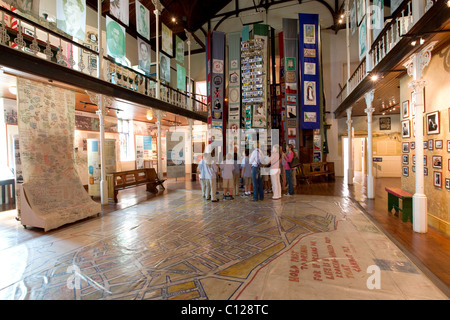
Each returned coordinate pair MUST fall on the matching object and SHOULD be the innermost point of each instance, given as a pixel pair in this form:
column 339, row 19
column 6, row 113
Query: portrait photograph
column 71, row 17
column 164, row 67
column 432, row 122
column 437, row 179
column 167, row 40
column 447, row 183
column 438, row 144
column 405, row 147
column 405, row 171
column 142, row 20
column 448, row 145
column 119, row 9
column 115, row 39
column 144, row 57
column 405, row 109
column 405, row 159
column 385, row 123
column 179, row 47
column 430, row 144
column 406, row 129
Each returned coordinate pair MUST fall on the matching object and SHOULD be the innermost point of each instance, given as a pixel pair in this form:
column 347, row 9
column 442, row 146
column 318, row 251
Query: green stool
column 394, row 194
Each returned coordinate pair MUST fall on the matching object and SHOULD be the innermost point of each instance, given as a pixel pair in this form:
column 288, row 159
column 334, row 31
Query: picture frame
column 87, row 45
column 437, row 179
column 385, row 123
column 405, row 147
column 405, row 159
column 413, row 168
column 448, row 145
column 425, row 172
column 430, row 144
column 447, row 183
column 405, row 171
column 425, row 145
column 438, row 144
column 448, row 167
column 437, row 162
column 406, row 129
column 414, row 159
column 424, row 161
column 432, row 122
column 413, row 145
column 405, row 109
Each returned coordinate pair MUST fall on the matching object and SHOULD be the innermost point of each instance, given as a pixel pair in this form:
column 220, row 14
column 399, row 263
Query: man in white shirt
column 212, row 175
column 255, row 160
column 204, row 177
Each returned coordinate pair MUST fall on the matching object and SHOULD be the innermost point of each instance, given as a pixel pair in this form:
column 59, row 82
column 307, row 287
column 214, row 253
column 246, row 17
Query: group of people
column 253, row 172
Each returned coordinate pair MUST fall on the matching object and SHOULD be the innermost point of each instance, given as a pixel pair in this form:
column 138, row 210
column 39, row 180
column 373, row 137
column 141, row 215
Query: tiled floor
column 177, row 246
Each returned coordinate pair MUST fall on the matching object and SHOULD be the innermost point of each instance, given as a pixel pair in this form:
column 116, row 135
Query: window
column 126, row 145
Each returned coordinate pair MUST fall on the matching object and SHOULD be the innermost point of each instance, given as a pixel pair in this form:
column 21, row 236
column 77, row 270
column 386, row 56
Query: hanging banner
column 291, row 86
column 309, row 71
column 234, row 87
column 181, row 78
column 216, row 87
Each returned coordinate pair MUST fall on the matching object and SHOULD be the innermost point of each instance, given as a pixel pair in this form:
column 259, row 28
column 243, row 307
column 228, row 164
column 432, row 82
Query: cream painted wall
column 437, row 90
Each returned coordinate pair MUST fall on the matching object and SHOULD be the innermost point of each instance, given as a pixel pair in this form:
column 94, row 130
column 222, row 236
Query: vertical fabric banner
column 216, row 86
column 261, row 31
column 290, row 50
column 234, row 81
column 309, row 71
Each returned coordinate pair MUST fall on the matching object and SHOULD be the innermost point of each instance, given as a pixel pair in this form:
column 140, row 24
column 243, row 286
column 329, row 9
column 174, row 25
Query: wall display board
column 94, row 163
column 143, row 150
column 175, row 146
column 253, row 83
column 309, row 71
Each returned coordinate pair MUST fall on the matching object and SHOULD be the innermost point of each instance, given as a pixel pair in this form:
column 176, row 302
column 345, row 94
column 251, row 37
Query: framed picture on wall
column 405, row 147
column 425, row 161
column 405, row 109
column 432, row 122
column 447, row 183
column 438, row 144
column 448, row 145
column 413, row 145
column 425, row 172
column 437, row 162
column 430, row 144
column 406, row 171
column 406, row 129
column 437, row 179
column 405, row 159
column 385, row 123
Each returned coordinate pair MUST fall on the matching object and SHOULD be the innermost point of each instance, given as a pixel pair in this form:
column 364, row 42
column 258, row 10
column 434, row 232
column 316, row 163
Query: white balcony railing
column 35, row 39
column 400, row 24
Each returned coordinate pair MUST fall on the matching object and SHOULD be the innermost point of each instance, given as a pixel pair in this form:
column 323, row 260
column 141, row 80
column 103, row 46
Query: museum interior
column 128, row 137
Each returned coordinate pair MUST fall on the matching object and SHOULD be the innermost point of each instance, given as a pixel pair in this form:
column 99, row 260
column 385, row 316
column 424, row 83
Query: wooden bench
column 133, row 178
column 308, row 171
column 394, row 194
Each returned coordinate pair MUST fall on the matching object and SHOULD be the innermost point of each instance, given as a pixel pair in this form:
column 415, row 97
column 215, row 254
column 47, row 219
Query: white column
column 350, row 147
column 157, row 11
column 369, row 111
column 415, row 65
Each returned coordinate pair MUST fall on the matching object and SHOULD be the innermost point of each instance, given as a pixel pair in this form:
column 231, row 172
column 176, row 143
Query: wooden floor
column 430, row 251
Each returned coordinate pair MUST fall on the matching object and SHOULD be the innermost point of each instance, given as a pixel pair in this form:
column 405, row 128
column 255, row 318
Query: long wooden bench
column 133, row 178
column 394, row 195
column 308, row 171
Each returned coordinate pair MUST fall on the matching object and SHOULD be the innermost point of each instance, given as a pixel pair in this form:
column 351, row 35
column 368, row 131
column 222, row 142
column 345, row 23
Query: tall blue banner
column 309, row 71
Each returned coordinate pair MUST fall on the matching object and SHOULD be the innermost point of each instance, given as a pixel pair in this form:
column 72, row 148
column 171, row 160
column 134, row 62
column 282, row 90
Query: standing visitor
column 255, row 161
column 236, row 175
column 204, row 177
column 287, row 159
column 212, row 175
column 227, row 169
column 246, row 173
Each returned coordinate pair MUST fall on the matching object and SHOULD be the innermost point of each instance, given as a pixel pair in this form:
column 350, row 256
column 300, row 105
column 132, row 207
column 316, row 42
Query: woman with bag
column 290, row 154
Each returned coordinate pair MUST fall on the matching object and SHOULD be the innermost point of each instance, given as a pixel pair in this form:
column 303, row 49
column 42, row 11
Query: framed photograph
column 437, row 162
column 405, row 147
column 414, row 159
column 437, row 179
column 432, row 122
column 406, row 129
column 167, row 40
column 424, row 161
column 405, row 171
column 413, row 168
column 405, row 159
column 405, row 109
column 448, row 167
column 425, row 145
column 448, row 145
column 425, row 172
column 447, row 183
column 438, row 144
column 430, row 144
column 413, row 145
column 385, row 123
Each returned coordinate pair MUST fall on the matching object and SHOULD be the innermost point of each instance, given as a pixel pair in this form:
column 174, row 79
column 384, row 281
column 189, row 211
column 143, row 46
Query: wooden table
column 394, row 194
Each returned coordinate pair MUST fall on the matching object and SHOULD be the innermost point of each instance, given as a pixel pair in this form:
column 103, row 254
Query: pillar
column 157, row 12
column 350, row 147
column 159, row 116
column 415, row 65
column 369, row 111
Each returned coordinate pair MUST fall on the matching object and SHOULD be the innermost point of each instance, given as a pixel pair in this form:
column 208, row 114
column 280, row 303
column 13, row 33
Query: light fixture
column 448, row 3
column 374, row 77
column 173, row 19
column 340, row 20
column 413, row 43
column 149, row 115
column 422, row 41
column 13, row 90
